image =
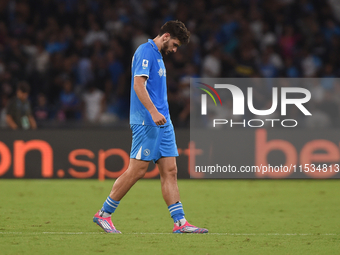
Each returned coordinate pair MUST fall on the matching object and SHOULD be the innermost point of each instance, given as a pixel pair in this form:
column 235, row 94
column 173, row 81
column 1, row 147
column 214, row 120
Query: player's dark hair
column 177, row 30
column 23, row 87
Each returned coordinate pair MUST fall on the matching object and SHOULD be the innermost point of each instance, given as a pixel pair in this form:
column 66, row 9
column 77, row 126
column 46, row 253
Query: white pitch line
column 225, row 234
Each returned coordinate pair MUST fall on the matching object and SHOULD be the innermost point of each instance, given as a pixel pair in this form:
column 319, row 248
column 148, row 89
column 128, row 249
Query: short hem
column 155, row 160
column 141, row 159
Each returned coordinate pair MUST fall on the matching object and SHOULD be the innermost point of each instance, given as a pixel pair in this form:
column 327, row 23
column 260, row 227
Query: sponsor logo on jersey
column 160, row 72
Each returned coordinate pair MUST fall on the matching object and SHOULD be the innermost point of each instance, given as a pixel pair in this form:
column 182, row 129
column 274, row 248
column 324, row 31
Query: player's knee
column 140, row 173
column 172, row 171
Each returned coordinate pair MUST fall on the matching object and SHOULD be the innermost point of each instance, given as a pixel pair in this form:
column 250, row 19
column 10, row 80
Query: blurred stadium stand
column 76, row 54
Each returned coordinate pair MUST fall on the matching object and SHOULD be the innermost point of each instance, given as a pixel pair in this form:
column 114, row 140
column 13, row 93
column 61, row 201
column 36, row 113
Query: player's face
column 170, row 46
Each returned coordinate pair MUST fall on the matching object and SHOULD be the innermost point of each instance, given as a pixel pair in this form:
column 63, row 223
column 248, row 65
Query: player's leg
column 144, row 142
column 135, row 171
column 168, row 174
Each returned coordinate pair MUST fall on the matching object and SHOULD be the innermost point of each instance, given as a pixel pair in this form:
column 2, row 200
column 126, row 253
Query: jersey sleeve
column 142, row 61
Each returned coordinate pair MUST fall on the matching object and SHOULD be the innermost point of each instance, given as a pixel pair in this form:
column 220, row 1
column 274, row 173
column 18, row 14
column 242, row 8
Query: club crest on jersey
column 145, row 63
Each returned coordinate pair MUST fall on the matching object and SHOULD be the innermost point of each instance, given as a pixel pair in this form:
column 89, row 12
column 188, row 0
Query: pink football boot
column 188, row 228
column 105, row 223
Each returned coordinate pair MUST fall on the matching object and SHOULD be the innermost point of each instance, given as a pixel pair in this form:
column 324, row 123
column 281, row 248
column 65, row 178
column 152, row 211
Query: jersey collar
column 154, row 45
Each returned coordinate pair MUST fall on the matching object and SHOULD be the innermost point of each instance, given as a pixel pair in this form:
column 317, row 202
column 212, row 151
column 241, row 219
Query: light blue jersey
column 148, row 61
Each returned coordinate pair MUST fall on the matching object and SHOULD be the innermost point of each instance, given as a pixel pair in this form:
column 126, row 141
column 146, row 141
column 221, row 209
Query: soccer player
column 153, row 136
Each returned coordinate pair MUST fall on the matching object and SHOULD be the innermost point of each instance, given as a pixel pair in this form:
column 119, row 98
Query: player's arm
column 143, row 95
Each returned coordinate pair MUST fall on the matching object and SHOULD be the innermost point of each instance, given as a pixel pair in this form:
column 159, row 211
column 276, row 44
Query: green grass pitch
column 243, row 217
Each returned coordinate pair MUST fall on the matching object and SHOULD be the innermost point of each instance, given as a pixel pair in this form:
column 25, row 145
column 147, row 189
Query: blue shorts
column 152, row 143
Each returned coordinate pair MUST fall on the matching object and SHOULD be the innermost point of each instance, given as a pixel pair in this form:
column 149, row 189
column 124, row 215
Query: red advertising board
column 103, row 154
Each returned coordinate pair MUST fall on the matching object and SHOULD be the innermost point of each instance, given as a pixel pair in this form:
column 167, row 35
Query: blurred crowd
column 76, row 54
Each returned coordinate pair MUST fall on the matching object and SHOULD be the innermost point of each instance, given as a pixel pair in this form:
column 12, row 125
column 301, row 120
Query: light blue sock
column 110, row 205
column 176, row 211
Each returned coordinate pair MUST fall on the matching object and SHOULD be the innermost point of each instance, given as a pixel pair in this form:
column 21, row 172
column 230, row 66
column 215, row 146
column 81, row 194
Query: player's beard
column 165, row 48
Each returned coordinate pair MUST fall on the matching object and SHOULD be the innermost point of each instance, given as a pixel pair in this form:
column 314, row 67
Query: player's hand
column 158, row 118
